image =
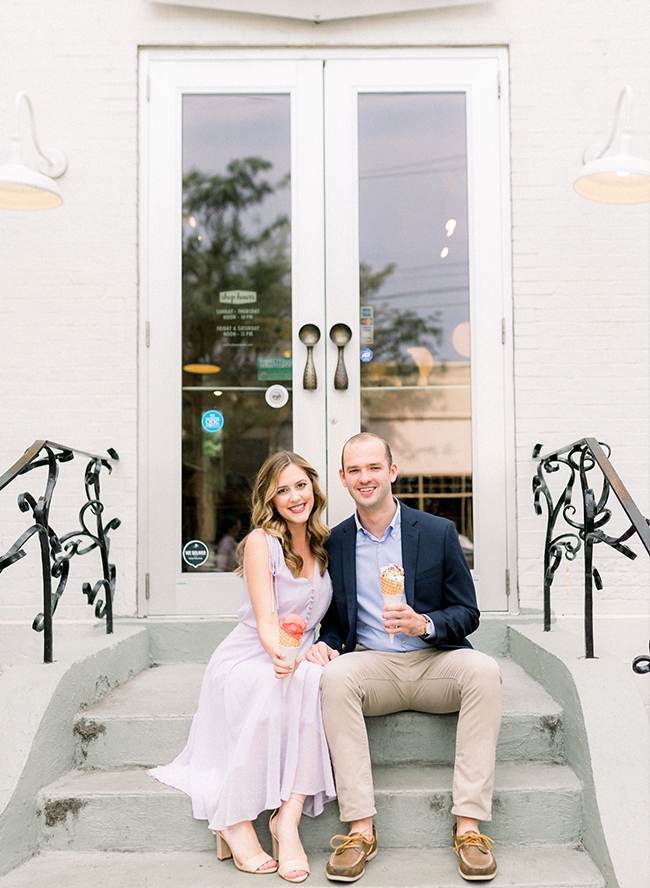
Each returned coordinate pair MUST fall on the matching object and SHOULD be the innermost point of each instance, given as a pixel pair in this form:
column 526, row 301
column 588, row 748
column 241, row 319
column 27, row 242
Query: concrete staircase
column 108, row 805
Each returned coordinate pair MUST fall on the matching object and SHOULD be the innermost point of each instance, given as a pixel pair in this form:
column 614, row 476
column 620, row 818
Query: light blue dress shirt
column 371, row 555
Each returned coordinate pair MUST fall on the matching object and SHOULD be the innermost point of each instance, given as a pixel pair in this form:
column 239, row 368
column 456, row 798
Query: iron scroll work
column 57, row 551
column 581, row 458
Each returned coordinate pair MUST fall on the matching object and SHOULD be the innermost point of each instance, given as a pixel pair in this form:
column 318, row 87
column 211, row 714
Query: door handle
column 340, row 334
column 309, row 334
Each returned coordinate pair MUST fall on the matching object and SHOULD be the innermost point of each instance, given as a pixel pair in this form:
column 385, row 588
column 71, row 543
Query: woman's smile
column 294, row 498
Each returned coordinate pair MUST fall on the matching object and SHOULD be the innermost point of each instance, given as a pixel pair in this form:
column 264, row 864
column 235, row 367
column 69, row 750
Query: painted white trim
column 508, row 332
column 317, row 10
column 142, row 560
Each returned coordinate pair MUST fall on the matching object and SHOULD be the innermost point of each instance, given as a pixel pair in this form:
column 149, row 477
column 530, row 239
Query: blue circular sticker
column 212, row 420
column 366, row 355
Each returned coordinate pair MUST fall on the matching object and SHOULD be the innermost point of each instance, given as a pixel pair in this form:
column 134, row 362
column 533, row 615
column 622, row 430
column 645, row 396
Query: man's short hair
column 364, row 436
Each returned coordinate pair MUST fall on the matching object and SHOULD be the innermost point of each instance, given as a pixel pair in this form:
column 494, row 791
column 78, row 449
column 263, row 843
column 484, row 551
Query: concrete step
column 126, row 810
column 538, row 867
column 146, row 722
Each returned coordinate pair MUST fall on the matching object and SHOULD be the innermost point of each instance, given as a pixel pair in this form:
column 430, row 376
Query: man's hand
column 320, row 653
column 402, row 618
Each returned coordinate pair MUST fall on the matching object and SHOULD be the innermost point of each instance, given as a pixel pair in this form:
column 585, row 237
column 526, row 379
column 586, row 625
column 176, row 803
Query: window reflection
column 414, row 289
column 236, row 309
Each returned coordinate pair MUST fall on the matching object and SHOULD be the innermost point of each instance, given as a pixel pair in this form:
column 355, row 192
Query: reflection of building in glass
column 429, row 429
column 447, row 495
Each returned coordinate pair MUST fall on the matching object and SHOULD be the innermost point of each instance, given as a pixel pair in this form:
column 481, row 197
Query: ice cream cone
column 290, row 642
column 392, row 587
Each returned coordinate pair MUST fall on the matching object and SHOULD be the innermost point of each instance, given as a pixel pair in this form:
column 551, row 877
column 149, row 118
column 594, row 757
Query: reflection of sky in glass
column 220, row 128
column 412, row 181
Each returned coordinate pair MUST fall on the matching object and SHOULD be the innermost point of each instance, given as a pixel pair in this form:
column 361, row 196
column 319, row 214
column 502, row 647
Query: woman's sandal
column 252, row 865
column 288, row 866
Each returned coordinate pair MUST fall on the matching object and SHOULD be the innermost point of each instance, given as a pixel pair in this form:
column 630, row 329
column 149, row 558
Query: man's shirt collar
column 394, row 528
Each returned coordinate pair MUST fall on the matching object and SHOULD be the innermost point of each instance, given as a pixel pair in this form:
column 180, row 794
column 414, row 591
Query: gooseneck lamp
column 22, row 188
column 615, row 177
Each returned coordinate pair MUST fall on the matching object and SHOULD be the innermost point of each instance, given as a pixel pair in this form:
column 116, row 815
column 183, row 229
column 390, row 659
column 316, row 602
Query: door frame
column 498, row 326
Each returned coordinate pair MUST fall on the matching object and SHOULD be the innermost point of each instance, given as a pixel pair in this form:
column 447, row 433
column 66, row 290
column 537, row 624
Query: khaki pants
column 364, row 683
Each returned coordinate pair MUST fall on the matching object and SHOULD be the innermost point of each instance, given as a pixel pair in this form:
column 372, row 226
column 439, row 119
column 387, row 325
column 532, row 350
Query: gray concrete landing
column 541, row 867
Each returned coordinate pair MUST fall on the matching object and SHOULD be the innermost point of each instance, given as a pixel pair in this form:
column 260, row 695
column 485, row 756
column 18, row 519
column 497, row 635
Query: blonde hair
column 265, row 515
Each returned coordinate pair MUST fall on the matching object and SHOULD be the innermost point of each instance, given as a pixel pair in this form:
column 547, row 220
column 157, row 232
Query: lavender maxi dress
column 249, row 747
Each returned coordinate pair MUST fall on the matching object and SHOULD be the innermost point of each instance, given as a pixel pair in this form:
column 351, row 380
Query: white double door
column 428, row 128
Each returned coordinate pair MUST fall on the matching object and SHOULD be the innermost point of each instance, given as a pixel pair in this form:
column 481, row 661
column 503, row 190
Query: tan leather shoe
column 348, row 862
column 476, row 860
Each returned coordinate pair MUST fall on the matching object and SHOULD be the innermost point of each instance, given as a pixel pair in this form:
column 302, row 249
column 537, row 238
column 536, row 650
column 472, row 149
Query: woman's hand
column 280, row 664
column 402, row 618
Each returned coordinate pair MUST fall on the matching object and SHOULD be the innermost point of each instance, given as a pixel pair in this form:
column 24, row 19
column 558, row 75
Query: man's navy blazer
column 437, row 581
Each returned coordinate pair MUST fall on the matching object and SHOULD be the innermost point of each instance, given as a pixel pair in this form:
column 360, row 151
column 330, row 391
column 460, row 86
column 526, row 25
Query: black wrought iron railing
column 642, row 664
column 57, row 551
column 580, row 459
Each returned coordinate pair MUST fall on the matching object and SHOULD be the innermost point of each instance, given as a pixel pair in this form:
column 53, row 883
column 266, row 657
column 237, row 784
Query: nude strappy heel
column 288, row 866
column 252, row 865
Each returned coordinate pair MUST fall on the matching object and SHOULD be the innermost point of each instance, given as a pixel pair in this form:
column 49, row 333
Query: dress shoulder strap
column 276, row 560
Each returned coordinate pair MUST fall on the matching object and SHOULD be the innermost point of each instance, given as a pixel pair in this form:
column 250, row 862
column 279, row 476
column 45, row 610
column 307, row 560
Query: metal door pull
column 309, row 334
column 340, row 334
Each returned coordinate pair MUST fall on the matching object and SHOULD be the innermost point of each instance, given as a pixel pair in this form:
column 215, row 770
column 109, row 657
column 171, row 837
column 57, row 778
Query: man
column 431, row 667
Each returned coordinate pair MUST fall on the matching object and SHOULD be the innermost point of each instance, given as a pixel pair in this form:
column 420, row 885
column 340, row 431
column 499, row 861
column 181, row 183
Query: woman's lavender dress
column 249, row 747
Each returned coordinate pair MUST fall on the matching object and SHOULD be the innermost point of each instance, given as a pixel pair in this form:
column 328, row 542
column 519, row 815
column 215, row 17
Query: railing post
column 589, row 521
column 43, row 539
column 548, row 573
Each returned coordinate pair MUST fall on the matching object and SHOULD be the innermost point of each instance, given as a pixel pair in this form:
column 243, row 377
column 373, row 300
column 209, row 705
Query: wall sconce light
column 616, row 178
column 22, row 188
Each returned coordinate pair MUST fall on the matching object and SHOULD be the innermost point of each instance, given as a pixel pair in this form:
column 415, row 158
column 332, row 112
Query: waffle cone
column 288, row 641
column 392, row 585
column 289, row 646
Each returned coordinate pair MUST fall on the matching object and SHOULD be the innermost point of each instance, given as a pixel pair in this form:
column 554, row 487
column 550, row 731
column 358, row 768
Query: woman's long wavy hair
column 265, row 515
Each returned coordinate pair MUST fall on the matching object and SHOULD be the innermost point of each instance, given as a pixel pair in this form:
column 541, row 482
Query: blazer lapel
column 410, row 542
column 348, row 551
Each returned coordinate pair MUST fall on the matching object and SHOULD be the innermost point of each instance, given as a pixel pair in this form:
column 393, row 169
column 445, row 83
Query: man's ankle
column 362, row 826
column 466, row 825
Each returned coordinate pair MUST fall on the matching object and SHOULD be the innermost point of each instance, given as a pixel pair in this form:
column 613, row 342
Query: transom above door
column 324, row 252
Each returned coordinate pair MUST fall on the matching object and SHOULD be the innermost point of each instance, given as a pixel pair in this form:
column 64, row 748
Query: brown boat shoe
column 348, row 862
column 476, row 860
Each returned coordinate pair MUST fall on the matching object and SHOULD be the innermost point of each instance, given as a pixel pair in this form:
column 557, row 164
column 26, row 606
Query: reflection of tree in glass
column 396, row 330
column 227, row 246
column 231, row 249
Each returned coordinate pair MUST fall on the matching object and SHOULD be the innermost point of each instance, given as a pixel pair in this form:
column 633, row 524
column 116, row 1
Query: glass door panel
column 237, row 335
column 415, row 250
column 414, row 295
column 232, row 156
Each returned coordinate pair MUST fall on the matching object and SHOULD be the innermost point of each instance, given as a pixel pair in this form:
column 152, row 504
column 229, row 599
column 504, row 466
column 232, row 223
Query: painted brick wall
column 69, row 358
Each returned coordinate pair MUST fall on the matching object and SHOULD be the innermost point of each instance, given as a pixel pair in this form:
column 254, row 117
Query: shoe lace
column 483, row 842
column 348, row 841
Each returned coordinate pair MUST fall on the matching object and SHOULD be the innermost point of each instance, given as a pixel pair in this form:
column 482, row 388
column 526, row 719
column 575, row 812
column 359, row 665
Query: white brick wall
column 68, row 362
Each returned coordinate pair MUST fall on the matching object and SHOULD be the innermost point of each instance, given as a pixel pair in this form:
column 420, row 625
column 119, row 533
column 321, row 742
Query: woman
column 251, row 748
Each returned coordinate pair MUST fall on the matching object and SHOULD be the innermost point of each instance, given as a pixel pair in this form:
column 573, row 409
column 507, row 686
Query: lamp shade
column 24, row 189
column 615, row 179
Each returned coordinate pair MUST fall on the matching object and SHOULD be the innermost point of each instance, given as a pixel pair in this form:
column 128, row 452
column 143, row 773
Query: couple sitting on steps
column 252, row 749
